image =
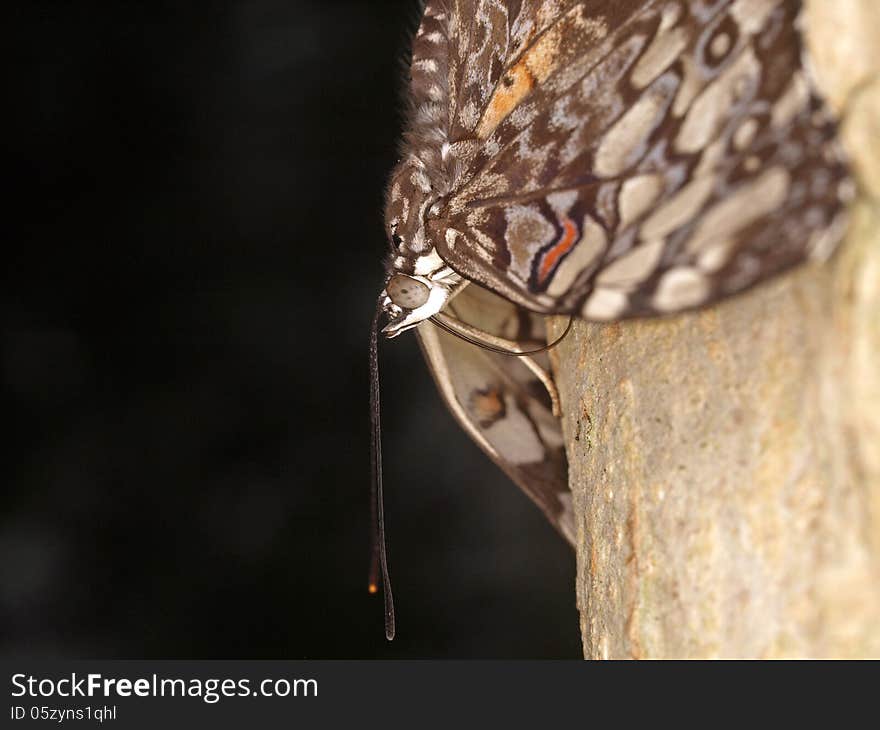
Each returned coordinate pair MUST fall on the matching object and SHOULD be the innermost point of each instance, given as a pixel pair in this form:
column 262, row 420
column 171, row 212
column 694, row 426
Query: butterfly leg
column 547, row 381
column 502, row 346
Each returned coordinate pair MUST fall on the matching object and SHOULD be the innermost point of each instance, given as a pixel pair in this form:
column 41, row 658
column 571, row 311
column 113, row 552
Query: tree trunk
column 725, row 464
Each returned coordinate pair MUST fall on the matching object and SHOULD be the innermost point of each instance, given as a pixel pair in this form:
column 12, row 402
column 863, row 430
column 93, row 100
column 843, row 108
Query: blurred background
column 196, row 252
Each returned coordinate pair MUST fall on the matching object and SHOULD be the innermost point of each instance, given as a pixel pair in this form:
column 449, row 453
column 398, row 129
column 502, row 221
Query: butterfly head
column 418, row 282
column 408, row 299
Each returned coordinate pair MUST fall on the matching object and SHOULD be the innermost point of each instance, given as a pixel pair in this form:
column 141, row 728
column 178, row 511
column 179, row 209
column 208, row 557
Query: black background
column 195, row 254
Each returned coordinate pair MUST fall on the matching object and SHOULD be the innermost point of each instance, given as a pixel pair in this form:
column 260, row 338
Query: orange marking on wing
column 514, row 86
column 562, row 247
column 545, row 55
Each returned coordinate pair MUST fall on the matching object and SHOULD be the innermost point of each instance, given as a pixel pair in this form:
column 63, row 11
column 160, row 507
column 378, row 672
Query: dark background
column 195, row 255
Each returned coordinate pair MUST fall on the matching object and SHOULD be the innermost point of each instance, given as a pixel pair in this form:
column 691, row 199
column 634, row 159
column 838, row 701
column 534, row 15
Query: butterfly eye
column 396, row 240
column 407, row 292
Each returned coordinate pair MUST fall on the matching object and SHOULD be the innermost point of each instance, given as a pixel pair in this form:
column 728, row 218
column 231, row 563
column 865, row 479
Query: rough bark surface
column 725, row 464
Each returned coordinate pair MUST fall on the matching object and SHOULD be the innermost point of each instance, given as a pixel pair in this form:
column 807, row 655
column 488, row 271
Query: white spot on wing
column 680, row 289
column 822, row 244
column 745, row 133
column 713, row 105
column 751, row 15
column 625, row 142
column 664, row 49
column 514, row 437
column 715, row 255
column 750, row 202
column 637, row 195
column 633, row 267
column 720, row 45
column 605, row 304
column 679, row 209
column 792, row 102
column 562, row 201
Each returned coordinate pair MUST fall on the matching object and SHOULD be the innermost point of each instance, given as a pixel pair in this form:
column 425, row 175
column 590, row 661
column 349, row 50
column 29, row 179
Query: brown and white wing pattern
column 499, row 403
column 616, row 159
column 600, row 158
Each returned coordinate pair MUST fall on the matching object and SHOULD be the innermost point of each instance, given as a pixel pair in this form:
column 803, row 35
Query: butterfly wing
column 499, row 402
column 629, row 158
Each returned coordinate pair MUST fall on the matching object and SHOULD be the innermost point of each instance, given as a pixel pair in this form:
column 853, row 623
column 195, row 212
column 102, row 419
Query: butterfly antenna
column 378, row 554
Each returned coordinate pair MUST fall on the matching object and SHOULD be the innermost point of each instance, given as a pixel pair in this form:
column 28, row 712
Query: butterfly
column 601, row 159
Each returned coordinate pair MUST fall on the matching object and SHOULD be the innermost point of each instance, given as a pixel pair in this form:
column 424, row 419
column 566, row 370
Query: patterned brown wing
column 500, row 404
column 501, row 52
column 475, row 61
column 680, row 155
